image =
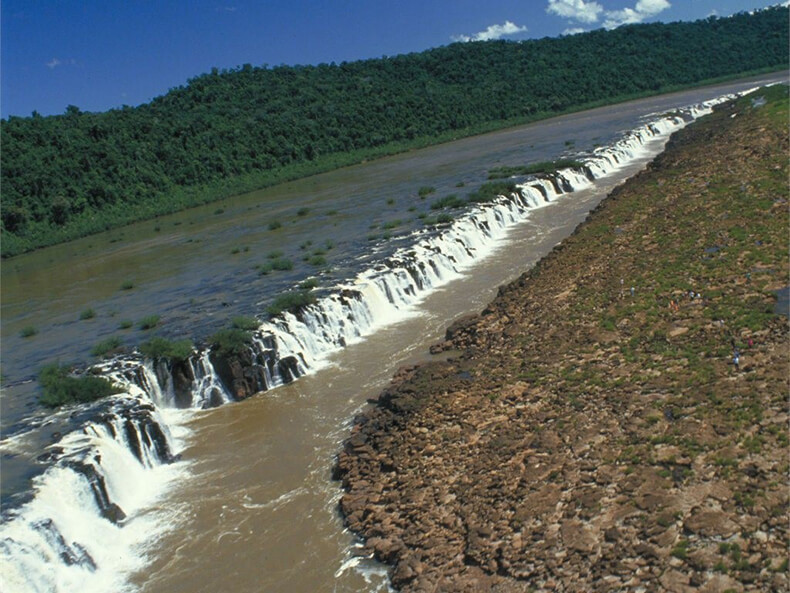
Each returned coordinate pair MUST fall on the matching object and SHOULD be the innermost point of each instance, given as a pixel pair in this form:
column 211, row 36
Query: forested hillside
column 229, row 131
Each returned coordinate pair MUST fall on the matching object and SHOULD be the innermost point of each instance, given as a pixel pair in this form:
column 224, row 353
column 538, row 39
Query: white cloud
column 573, row 31
column 652, row 7
column 55, row 62
column 577, row 10
column 492, row 32
column 642, row 10
column 584, row 11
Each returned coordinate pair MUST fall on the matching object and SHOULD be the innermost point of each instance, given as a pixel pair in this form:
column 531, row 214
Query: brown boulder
column 711, row 523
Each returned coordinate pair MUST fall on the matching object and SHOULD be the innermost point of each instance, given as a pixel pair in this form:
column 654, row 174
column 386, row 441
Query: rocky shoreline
column 588, row 431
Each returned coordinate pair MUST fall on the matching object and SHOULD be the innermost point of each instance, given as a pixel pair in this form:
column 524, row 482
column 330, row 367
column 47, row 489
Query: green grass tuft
column 162, row 348
column 60, row 388
column 149, row 322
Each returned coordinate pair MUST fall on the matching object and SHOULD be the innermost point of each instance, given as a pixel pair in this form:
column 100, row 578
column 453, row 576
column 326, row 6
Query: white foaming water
column 86, row 526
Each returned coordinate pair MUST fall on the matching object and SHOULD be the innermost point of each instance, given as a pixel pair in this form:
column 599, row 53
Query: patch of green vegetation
column 128, row 285
column 230, row 342
column 274, row 225
column 317, row 260
column 282, row 264
column 309, row 284
column 125, row 324
column 60, row 388
column 149, row 322
column 392, row 224
column 534, row 168
column 753, row 444
column 290, row 301
column 425, row 190
column 681, row 549
column 162, row 348
column 245, row 323
column 744, row 499
column 108, row 346
column 450, row 201
column 490, row 191
column 87, row 314
column 28, row 331
column 444, row 218
column 275, row 254
column 303, row 211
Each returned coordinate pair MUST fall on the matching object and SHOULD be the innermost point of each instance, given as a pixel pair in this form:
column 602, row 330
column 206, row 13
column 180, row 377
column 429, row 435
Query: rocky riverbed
column 589, row 430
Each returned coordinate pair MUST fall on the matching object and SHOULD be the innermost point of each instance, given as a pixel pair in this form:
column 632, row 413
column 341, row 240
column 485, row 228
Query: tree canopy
column 233, row 130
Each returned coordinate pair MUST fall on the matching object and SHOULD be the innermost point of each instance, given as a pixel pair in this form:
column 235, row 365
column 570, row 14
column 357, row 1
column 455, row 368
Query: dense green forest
column 235, row 130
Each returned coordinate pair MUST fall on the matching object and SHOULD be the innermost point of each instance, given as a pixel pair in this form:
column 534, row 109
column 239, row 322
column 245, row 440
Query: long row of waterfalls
column 87, row 521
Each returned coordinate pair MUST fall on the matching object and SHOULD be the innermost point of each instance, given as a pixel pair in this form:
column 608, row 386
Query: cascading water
column 86, row 516
column 73, row 534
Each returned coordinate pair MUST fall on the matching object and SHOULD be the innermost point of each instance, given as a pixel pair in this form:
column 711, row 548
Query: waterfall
column 80, row 528
column 73, row 534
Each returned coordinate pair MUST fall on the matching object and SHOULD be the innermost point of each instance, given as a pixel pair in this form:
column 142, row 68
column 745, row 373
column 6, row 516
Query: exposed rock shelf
column 591, row 437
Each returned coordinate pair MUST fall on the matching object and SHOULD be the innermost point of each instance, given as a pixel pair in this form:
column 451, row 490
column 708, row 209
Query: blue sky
column 100, row 54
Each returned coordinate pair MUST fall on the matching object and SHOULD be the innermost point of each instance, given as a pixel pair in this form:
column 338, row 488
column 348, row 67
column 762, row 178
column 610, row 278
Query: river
column 254, row 508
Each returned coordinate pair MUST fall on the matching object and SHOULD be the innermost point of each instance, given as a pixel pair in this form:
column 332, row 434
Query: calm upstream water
column 254, row 508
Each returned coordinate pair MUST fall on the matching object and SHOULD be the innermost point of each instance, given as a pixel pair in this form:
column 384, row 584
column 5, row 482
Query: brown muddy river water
column 259, row 511
column 255, row 508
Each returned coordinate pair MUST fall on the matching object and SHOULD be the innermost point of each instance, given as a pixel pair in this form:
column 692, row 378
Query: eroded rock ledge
column 588, row 439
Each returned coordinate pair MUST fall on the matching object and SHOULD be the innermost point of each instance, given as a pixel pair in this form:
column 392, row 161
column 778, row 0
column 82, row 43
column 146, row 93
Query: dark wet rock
column 183, row 379
column 289, row 368
column 70, row 554
column 108, row 509
column 242, row 374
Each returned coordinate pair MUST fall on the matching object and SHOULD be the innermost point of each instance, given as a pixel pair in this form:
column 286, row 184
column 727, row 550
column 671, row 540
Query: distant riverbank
column 114, row 214
column 596, row 430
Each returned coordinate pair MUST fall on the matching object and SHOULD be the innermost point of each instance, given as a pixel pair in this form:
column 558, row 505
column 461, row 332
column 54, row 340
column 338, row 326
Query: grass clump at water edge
column 108, row 346
column 290, row 301
column 534, row 168
column 162, row 348
column 231, row 341
column 59, row 387
column 488, row 192
column 450, row 201
column 245, row 323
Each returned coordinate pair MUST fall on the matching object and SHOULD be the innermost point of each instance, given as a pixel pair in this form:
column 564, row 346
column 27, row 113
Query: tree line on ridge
column 234, row 130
